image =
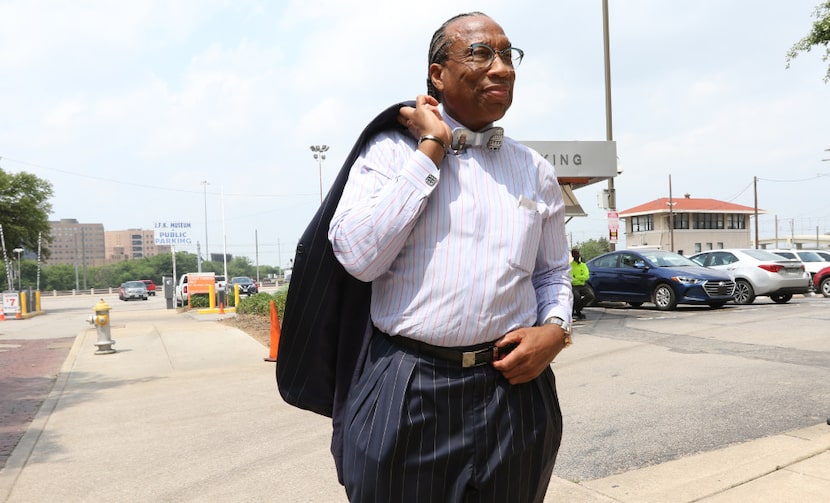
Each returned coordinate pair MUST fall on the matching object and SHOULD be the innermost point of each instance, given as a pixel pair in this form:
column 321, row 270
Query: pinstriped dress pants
column 421, row 429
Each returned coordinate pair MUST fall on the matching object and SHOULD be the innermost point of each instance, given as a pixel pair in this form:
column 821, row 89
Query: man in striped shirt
column 466, row 252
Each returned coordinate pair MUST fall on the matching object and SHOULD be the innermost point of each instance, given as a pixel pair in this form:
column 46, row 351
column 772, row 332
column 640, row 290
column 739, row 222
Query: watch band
column 566, row 328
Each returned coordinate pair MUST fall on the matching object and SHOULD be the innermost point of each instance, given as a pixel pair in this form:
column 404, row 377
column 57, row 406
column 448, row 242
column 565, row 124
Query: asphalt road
column 638, row 387
column 641, row 386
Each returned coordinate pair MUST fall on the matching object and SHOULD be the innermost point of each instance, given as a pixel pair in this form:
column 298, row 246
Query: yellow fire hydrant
column 101, row 320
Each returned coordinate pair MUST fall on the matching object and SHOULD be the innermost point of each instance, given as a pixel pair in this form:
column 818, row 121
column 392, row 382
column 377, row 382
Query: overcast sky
column 126, row 107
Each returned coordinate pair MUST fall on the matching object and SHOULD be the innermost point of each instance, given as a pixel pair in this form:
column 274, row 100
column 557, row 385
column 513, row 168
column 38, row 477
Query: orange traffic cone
column 2, row 315
column 275, row 334
column 221, row 308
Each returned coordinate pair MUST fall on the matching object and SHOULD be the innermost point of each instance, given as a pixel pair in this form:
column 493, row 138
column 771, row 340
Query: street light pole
column 18, row 251
column 207, row 251
column 320, row 155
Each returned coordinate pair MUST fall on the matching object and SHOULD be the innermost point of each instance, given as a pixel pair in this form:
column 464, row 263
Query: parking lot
column 642, row 386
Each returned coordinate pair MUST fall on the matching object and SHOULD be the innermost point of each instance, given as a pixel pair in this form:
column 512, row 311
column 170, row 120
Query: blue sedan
column 663, row 278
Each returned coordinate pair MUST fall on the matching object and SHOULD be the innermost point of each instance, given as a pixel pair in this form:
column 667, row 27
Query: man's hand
column 537, row 347
column 426, row 118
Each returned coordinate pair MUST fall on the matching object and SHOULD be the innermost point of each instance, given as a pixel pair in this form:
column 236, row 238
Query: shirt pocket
column 527, row 234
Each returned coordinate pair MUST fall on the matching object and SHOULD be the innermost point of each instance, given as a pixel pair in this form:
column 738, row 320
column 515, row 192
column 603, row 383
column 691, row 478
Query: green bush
column 260, row 303
column 199, row 300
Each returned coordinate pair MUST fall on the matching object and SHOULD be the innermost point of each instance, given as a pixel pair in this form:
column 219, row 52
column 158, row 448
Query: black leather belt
column 468, row 356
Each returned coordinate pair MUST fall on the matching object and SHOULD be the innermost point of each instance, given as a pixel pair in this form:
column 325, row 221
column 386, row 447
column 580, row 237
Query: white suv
column 813, row 262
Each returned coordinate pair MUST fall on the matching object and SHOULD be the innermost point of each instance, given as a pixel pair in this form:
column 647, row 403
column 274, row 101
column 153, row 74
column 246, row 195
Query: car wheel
column 633, row 304
column 824, row 286
column 664, row 298
column 781, row 298
column 744, row 293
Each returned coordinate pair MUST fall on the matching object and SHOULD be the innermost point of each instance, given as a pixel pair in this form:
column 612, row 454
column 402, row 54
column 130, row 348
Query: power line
column 819, row 175
column 147, row 186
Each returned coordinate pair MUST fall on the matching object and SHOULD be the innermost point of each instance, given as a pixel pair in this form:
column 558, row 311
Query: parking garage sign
column 173, row 233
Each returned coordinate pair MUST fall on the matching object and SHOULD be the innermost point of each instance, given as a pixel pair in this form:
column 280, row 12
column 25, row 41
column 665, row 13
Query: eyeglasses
column 482, row 56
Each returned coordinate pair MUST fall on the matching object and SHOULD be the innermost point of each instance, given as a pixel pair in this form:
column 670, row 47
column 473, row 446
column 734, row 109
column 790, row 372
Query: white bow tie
column 463, row 138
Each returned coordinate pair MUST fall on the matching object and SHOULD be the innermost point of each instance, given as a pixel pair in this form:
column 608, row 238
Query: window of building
column 708, row 246
column 642, row 223
column 681, row 220
column 698, row 249
column 735, row 221
column 709, row 221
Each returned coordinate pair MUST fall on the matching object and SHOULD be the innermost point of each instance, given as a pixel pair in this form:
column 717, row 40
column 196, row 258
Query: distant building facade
column 131, row 244
column 698, row 225
column 76, row 244
column 90, row 245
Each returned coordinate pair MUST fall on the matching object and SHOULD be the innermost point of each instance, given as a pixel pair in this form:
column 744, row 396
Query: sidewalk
column 188, row 411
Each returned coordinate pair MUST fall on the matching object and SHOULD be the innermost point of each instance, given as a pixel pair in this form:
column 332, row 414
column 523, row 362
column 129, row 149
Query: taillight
column 771, row 267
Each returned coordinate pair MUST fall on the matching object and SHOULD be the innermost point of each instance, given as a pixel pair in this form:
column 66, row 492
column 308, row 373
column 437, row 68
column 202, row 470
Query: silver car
column 758, row 273
column 132, row 290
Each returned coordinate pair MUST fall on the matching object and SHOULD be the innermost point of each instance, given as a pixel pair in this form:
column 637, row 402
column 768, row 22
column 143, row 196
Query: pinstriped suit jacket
column 326, row 326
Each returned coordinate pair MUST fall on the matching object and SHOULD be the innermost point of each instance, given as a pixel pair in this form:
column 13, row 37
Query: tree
column 24, row 210
column 819, row 35
column 593, row 248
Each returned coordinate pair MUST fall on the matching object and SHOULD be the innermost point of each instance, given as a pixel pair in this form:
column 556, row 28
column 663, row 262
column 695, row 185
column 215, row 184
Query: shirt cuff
column 421, row 172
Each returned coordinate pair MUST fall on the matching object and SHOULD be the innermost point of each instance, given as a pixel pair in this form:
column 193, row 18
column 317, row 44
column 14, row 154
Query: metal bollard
column 101, row 320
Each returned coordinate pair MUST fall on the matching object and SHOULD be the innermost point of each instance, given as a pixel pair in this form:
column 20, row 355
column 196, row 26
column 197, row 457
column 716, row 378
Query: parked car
column 151, row 287
column 824, row 255
column 658, row 276
column 821, row 281
column 758, row 273
column 132, row 290
column 811, row 260
column 247, row 286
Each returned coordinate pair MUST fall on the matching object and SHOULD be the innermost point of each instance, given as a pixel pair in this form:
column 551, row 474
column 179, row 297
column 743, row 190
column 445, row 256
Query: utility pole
column 671, row 216
column 609, row 134
column 755, row 183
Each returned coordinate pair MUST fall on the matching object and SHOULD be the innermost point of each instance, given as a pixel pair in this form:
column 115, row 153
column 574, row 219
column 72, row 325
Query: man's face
column 474, row 97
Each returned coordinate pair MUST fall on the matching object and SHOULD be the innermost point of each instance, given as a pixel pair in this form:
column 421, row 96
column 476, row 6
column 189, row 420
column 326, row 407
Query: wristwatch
column 566, row 328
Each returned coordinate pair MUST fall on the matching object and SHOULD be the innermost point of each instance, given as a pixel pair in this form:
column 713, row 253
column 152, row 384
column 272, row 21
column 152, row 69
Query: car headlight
column 687, row 280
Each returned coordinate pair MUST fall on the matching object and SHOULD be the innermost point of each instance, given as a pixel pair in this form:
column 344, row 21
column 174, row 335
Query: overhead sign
column 172, row 233
column 581, row 159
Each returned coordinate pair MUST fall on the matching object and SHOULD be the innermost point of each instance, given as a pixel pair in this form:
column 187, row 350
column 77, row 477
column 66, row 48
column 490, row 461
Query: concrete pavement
column 187, row 410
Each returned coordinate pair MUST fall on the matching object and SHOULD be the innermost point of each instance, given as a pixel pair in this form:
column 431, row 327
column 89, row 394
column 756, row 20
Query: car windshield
column 134, row 284
column 810, row 257
column 668, row 259
column 241, row 280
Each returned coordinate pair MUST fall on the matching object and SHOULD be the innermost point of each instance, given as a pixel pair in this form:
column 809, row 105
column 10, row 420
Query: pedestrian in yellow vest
column 583, row 295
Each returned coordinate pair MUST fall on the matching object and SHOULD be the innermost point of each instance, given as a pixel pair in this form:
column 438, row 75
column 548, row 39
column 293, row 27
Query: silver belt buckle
column 468, row 358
